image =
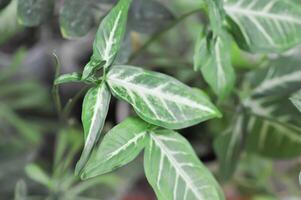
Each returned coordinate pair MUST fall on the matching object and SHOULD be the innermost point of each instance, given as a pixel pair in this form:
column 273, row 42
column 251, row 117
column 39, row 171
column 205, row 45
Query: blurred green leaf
column 67, row 78
column 8, row 22
column 37, row 174
column 228, row 147
column 34, row 12
column 149, row 16
column 213, row 58
column 20, row 191
column 76, row 18
column 296, row 100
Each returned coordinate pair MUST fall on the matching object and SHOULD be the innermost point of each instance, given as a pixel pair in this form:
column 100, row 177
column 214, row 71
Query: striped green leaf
column 34, row 12
column 265, row 25
column 109, row 36
column 175, row 172
column 228, row 147
column 119, row 146
column 273, row 129
column 273, row 138
column 278, row 77
column 67, row 78
column 160, row 99
column 296, row 100
column 213, row 58
column 95, row 109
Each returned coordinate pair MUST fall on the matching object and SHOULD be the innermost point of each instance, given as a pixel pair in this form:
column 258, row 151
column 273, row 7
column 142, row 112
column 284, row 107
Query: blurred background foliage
column 40, row 143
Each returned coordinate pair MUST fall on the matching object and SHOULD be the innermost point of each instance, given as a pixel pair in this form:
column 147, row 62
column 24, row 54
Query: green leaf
column 278, row 77
column 273, row 138
column 20, row 191
column 109, row 36
column 66, row 78
column 149, row 16
column 296, row 100
column 266, row 25
column 175, row 172
column 216, row 15
column 9, row 25
column 37, row 174
column 118, row 147
column 76, row 18
column 228, row 147
column 212, row 57
column 34, row 12
column 95, row 109
column 160, row 99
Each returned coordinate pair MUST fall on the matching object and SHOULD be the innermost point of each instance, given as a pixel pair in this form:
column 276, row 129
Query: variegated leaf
column 118, row 147
column 228, row 147
column 175, row 172
column 160, row 99
column 296, row 100
column 265, row 25
column 66, row 78
column 272, row 138
column 213, row 58
column 109, row 36
column 278, row 77
column 95, row 109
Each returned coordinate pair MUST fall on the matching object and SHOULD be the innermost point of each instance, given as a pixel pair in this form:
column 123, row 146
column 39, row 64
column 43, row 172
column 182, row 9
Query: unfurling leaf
column 213, row 58
column 34, row 12
column 265, row 26
column 118, row 147
column 95, row 109
column 175, row 172
column 109, row 37
column 76, row 18
column 160, row 99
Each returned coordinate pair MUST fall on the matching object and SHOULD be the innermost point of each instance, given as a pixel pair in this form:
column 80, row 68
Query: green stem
column 159, row 34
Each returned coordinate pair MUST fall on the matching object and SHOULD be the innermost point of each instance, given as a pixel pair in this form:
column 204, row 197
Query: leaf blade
column 185, row 177
column 265, row 26
column 95, row 109
column 160, row 99
column 119, row 146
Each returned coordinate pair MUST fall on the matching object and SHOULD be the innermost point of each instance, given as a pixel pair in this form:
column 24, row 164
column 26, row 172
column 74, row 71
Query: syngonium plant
column 164, row 104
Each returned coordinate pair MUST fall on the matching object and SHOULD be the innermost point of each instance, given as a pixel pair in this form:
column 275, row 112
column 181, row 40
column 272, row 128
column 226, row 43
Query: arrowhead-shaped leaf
column 213, row 58
column 119, row 146
column 109, row 36
column 34, row 12
column 160, row 99
column 175, row 172
column 76, row 18
column 228, row 147
column 265, row 25
column 95, row 109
